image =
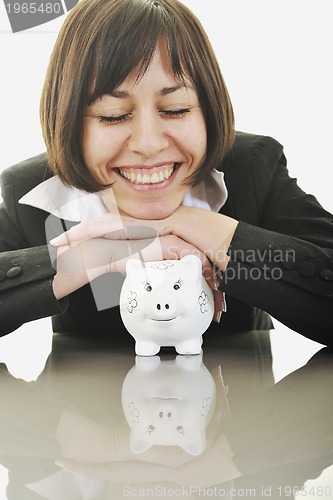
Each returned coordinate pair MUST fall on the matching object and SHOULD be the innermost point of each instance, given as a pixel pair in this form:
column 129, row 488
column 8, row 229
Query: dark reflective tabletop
column 101, row 423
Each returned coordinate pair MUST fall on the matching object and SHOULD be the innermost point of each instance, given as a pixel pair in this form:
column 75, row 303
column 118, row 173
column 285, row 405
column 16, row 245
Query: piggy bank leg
column 192, row 346
column 146, row 348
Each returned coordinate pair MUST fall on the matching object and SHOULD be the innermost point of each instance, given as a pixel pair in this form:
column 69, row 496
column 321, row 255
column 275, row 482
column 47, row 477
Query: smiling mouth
column 154, row 175
column 162, row 320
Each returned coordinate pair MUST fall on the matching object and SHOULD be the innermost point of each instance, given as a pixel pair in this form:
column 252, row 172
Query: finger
column 208, row 272
column 101, row 229
column 93, row 254
column 219, row 305
column 88, row 230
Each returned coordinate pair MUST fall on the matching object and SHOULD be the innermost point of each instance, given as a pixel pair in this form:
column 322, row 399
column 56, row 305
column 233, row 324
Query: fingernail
column 224, row 303
column 218, row 316
column 55, row 241
column 216, row 284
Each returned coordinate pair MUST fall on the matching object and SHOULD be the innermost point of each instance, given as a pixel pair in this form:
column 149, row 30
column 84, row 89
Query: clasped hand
column 105, row 244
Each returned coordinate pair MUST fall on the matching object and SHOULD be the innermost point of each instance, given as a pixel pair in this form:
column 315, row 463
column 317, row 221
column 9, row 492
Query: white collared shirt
column 73, row 204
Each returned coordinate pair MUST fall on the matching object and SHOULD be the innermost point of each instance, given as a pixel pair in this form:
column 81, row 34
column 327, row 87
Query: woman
column 135, row 112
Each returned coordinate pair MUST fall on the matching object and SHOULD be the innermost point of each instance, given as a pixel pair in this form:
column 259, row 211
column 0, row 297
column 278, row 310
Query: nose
column 166, row 413
column 147, row 135
column 164, row 308
column 160, row 307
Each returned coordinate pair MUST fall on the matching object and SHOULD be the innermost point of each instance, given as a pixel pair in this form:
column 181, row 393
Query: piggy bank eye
column 177, row 285
column 148, row 287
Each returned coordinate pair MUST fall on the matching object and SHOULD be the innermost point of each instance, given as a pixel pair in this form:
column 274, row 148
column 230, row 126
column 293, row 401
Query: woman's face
column 146, row 139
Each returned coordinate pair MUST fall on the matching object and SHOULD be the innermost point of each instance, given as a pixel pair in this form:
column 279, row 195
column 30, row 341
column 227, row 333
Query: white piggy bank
column 168, row 403
column 166, row 303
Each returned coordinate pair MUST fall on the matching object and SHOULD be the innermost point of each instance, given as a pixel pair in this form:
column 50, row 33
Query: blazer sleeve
column 281, row 255
column 26, row 272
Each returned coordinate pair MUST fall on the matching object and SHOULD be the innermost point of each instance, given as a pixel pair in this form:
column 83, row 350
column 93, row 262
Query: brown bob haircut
column 99, row 45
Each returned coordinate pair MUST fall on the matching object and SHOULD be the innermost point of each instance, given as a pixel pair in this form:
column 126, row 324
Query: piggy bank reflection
column 168, row 403
column 166, row 303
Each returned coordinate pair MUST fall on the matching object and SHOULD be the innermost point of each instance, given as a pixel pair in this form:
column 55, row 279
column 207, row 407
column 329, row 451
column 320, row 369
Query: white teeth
column 132, row 177
column 154, row 178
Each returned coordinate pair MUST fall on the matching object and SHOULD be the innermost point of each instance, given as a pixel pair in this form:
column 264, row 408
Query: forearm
column 26, row 293
column 64, row 284
column 289, row 277
column 83, row 261
column 208, row 231
column 75, row 267
column 285, row 276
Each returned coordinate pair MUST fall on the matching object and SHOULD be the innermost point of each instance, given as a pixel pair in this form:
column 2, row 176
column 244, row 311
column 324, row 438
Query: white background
column 276, row 57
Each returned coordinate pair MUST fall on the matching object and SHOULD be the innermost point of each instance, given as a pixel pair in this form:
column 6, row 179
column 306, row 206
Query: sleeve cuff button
column 307, row 269
column 13, row 272
column 326, row 274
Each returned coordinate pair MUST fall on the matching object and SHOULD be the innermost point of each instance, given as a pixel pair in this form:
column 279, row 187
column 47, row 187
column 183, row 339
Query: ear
column 138, row 444
column 191, row 266
column 134, row 266
column 196, row 445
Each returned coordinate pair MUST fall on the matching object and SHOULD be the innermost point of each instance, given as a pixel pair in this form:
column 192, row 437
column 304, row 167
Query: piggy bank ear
column 196, row 445
column 134, row 267
column 191, row 266
column 138, row 444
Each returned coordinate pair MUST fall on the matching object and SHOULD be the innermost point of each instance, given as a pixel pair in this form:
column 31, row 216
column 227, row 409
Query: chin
column 149, row 212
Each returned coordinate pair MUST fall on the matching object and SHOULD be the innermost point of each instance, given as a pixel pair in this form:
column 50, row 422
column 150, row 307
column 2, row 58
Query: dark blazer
column 281, row 254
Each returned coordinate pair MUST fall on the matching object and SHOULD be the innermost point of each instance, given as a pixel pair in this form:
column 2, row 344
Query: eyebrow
column 123, row 94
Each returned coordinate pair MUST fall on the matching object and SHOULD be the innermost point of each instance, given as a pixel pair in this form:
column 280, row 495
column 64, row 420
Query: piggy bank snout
column 164, row 412
column 163, row 307
column 160, row 306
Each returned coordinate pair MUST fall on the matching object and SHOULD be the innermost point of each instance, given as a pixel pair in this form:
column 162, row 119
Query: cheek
column 99, row 145
column 196, row 140
column 201, row 141
column 87, row 141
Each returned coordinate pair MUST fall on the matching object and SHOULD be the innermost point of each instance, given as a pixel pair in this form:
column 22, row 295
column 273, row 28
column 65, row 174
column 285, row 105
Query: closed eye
column 172, row 113
column 176, row 112
column 113, row 119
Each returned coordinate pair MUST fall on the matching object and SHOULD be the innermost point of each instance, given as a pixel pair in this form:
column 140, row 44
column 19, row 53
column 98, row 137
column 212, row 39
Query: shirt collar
column 72, row 204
